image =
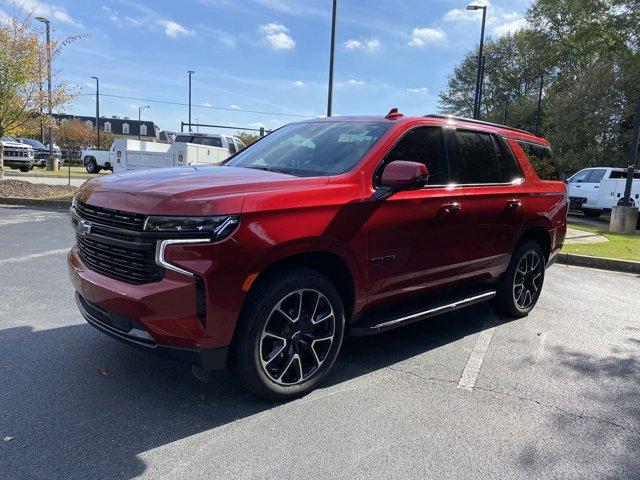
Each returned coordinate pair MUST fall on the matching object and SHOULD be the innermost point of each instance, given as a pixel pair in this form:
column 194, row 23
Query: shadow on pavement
column 70, row 421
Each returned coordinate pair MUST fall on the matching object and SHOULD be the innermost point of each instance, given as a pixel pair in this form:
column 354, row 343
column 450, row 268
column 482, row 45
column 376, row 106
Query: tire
column 24, row 169
column 591, row 213
column 279, row 352
column 91, row 165
column 515, row 301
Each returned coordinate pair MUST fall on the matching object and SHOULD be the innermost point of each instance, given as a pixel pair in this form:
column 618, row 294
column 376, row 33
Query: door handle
column 451, row 207
column 513, row 204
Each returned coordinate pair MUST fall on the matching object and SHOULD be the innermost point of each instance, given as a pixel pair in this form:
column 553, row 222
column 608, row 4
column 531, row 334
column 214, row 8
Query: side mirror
column 401, row 175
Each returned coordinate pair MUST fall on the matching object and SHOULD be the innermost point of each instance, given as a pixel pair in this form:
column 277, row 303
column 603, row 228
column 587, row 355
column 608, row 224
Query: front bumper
column 15, row 163
column 131, row 333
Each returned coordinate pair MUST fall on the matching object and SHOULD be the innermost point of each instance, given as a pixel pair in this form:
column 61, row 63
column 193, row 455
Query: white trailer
column 599, row 189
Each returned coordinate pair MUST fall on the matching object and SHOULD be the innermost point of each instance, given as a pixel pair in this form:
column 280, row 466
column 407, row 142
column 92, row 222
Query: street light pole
column 97, row 111
column 140, row 118
column 40, row 102
column 51, row 165
column 190, row 72
column 539, row 109
column 633, row 157
column 331, row 57
column 478, row 95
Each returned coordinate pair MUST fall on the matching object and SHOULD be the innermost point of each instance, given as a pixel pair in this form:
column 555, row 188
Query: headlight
column 219, row 226
column 74, row 202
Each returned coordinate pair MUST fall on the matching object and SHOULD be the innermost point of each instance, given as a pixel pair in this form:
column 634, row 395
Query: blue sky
column 264, row 55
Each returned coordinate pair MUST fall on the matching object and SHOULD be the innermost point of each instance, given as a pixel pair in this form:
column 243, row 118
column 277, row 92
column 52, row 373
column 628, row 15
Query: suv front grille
column 115, row 244
column 112, row 218
column 137, row 266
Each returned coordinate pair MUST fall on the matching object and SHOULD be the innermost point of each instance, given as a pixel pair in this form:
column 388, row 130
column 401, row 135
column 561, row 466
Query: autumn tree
column 23, row 60
column 247, row 138
column 74, row 135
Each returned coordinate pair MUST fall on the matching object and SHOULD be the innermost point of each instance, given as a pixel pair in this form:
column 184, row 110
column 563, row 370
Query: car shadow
column 81, row 405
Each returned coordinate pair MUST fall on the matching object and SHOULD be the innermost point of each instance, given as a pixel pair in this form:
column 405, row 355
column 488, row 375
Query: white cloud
column 353, row 81
column 234, row 107
column 133, row 21
column 257, row 125
column 509, row 27
column 423, row 36
column 369, row 45
column 298, row 83
column 54, row 13
column 418, row 90
column 174, row 29
column 207, row 104
column 277, row 36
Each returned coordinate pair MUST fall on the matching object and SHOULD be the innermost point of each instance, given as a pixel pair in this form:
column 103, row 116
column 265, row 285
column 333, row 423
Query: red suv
column 324, row 228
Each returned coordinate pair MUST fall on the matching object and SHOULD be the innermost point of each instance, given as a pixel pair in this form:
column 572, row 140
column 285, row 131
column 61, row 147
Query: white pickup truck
column 188, row 149
column 599, row 189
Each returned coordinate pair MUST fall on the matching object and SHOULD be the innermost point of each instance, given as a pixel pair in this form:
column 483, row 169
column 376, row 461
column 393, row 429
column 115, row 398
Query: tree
column 74, row 135
column 22, row 71
column 106, row 139
column 247, row 138
column 589, row 53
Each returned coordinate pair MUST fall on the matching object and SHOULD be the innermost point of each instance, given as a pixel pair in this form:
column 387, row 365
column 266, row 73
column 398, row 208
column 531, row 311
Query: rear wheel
column 91, row 165
column 520, row 286
column 24, row 169
column 289, row 335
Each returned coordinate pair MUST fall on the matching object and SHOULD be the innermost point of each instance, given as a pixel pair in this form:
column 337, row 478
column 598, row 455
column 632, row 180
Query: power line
column 198, row 106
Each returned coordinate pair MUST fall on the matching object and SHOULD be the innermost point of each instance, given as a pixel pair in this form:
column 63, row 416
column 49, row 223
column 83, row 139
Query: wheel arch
column 540, row 235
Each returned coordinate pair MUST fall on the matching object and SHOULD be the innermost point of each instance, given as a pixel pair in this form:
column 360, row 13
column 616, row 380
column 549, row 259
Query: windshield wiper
column 286, row 171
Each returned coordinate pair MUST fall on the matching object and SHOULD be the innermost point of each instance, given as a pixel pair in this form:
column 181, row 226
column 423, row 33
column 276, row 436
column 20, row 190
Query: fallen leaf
column 7, row 439
column 104, row 372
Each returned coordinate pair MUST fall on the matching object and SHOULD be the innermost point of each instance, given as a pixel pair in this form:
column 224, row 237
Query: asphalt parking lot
column 467, row 395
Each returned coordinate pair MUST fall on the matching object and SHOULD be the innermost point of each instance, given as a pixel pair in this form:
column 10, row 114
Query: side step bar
column 361, row 330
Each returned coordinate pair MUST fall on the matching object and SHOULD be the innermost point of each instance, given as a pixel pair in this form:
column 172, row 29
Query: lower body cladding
column 159, row 317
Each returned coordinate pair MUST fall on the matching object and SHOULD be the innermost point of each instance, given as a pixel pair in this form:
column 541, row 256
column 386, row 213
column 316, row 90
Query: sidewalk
column 75, row 182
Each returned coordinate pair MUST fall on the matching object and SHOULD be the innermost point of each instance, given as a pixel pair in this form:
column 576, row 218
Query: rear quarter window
column 541, row 159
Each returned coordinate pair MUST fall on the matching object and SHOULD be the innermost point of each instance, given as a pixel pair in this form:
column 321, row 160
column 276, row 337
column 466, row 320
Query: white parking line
column 474, row 364
column 33, row 255
column 29, row 218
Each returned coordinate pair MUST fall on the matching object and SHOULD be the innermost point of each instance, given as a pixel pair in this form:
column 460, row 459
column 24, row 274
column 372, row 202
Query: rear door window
column 541, row 159
column 596, row 176
column 422, row 145
column 478, row 156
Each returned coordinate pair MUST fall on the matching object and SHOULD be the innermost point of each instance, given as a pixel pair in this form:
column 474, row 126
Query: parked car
column 17, row 155
column 187, row 149
column 41, row 151
column 597, row 190
column 324, row 228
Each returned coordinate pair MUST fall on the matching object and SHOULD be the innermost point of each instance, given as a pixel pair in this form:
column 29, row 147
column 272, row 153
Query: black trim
column 479, row 122
column 209, row 359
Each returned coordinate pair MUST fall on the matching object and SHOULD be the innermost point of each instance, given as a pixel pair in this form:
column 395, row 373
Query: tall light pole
column 331, row 57
column 140, row 119
column 190, row 72
column 97, row 111
column 40, row 102
column 51, row 165
column 539, row 109
column 478, row 95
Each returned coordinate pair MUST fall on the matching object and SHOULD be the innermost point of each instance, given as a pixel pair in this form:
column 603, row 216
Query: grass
column 66, row 197
column 63, row 172
column 620, row 247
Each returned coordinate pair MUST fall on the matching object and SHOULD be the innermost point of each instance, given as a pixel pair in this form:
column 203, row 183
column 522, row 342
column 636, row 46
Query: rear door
column 493, row 196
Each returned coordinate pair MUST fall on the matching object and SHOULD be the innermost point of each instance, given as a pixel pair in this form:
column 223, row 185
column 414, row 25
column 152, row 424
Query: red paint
column 413, row 242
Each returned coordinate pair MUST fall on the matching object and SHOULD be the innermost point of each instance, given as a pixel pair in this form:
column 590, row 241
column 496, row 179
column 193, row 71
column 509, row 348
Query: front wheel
column 520, row 287
column 24, row 169
column 289, row 334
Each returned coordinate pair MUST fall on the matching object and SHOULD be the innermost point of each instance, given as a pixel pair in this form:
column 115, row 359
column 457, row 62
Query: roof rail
column 479, row 122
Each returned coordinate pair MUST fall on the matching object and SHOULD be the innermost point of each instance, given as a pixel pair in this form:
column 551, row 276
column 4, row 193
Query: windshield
column 9, row 139
column 33, row 143
column 312, row 148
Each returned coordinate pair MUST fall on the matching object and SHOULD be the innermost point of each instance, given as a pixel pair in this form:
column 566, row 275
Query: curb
column 625, row 266
column 37, row 175
column 35, row 202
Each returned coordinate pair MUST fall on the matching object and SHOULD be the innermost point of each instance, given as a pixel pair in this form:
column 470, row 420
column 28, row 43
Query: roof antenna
column 394, row 114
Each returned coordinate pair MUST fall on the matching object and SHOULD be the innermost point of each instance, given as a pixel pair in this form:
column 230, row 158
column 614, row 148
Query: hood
column 187, row 190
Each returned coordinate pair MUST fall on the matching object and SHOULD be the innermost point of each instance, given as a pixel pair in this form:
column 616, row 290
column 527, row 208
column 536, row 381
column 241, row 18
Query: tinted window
column 232, row 147
column 596, row 175
column 312, row 148
column 479, row 158
column 183, row 139
column 542, row 161
column 622, row 174
column 208, row 141
column 422, row 145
